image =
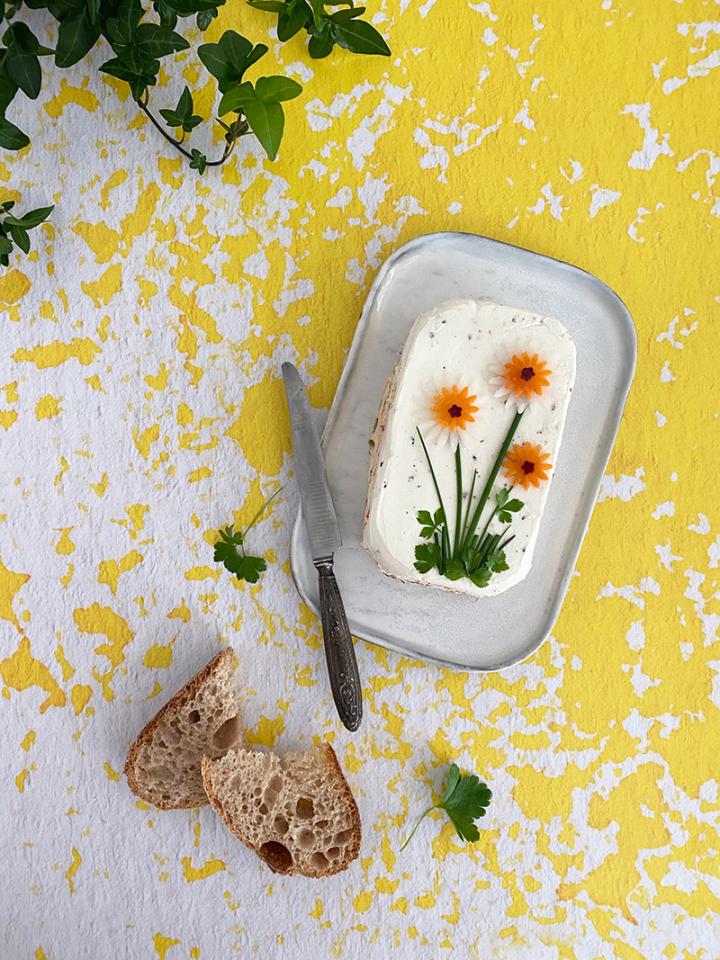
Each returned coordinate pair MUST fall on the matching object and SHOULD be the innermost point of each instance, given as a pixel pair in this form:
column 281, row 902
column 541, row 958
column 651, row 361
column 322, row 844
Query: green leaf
column 267, row 122
column 186, row 8
column 198, row 161
column 481, row 577
column 424, row 517
column 496, row 562
column 8, row 89
column 185, row 104
column 514, row 505
column 120, row 29
column 292, row 18
column 21, row 238
column 30, row 219
column 501, row 497
column 451, row 781
column 321, row 43
column 350, row 14
column 427, row 556
column 6, row 247
column 235, row 99
column 93, row 7
column 152, row 40
column 504, row 516
column 171, row 118
column 271, row 6
column 12, row 138
column 439, row 516
column 138, row 78
column 276, row 89
column 454, row 569
column 427, row 532
column 205, row 18
column 358, row 36
column 21, row 36
column 318, row 13
column 229, row 58
column 465, row 800
column 24, row 69
column 76, row 36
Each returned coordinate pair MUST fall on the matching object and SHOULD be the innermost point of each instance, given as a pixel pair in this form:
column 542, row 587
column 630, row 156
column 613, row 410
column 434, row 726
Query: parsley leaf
column 230, row 549
column 465, row 799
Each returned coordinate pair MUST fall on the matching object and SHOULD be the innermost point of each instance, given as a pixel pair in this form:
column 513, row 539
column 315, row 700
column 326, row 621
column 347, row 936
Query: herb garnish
column 230, row 548
column 325, row 29
column 465, row 799
column 468, row 554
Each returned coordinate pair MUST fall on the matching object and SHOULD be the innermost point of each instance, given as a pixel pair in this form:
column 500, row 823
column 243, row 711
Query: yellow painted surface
column 142, row 409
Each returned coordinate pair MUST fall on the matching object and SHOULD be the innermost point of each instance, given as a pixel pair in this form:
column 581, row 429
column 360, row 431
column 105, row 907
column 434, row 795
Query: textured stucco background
column 141, row 408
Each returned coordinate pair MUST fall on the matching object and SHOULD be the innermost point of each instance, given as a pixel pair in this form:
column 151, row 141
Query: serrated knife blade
column 315, row 496
column 323, row 530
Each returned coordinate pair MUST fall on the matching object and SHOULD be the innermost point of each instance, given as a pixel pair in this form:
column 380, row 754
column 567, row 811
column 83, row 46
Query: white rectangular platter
column 494, row 632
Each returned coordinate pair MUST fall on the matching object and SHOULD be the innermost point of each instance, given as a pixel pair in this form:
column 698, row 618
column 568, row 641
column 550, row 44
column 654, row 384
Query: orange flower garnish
column 453, row 408
column 527, row 464
column 526, row 375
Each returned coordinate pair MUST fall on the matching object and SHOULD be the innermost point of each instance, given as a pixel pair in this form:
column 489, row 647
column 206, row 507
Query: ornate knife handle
column 339, row 650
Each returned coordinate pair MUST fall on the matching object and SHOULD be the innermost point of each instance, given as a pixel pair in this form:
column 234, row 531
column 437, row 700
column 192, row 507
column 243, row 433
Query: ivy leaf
column 76, row 36
column 205, row 18
column 8, row 89
column 30, row 219
column 21, row 238
column 198, row 161
column 267, row 122
column 119, row 29
column 277, row 89
column 358, row 36
column 270, row 6
column 11, row 137
column 321, row 43
column 152, row 40
column 350, row 14
column 229, row 58
column 24, row 69
column 293, row 16
column 139, row 78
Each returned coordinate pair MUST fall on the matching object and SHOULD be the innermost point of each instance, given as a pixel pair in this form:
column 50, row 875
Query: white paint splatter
column 660, row 418
column 652, row 147
column 666, row 509
column 624, row 487
column 702, row 525
column 666, row 374
column 666, row 557
column 601, row 197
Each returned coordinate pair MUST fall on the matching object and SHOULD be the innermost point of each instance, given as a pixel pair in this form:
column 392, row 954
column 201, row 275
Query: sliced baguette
column 163, row 764
column 295, row 811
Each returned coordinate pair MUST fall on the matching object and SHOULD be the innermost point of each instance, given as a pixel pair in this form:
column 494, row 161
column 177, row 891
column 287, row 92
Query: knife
column 324, row 533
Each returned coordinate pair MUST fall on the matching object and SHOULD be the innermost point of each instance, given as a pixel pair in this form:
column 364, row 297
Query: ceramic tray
column 494, row 632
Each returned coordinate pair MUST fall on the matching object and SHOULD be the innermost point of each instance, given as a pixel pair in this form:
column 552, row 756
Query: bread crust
column 353, row 847
column 226, row 657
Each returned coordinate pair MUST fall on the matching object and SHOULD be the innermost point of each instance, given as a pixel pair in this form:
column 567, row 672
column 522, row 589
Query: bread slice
column 296, row 812
column 163, row 764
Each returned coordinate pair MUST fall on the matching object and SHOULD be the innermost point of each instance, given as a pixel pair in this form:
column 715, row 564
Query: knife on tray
column 324, row 534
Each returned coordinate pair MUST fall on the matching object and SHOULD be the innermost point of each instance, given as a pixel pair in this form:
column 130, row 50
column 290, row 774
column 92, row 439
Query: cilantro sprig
column 465, row 799
column 230, row 548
